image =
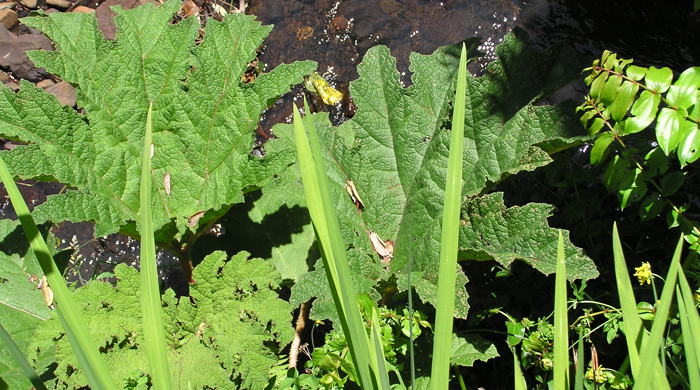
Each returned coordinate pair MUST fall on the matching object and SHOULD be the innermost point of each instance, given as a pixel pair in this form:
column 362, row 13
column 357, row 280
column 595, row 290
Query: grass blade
column 84, row 346
column 561, row 322
column 449, row 237
column 153, row 334
column 580, row 364
column 650, row 348
column 377, row 351
column 519, row 378
column 634, row 331
column 21, row 360
column 325, row 221
column 689, row 341
column 691, row 334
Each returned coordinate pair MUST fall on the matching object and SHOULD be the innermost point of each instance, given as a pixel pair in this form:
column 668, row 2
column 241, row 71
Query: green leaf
column 468, row 349
column 600, row 146
column 651, row 206
column 234, row 325
column 623, row 100
column 643, row 111
column 671, row 182
column 203, row 115
column 598, row 85
column 658, row 79
column 689, row 78
column 394, row 150
column 7, row 226
column 689, row 148
column 636, row 73
column 668, row 129
column 506, row 234
column 610, row 89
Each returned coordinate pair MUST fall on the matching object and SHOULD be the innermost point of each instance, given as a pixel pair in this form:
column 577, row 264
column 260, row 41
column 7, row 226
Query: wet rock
column 105, row 16
column 45, row 83
column 83, row 9
column 59, row 3
column 64, row 92
column 12, row 53
column 7, row 4
column 4, row 77
column 8, row 18
column 29, row 3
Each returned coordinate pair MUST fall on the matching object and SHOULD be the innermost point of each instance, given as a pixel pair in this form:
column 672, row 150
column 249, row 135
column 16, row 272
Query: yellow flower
column 329, row 95
column 643, row 273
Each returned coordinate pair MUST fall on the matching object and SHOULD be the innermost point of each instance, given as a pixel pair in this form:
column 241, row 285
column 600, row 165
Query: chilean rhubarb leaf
column 203, row 115
column 231, row 329
column 394, row 150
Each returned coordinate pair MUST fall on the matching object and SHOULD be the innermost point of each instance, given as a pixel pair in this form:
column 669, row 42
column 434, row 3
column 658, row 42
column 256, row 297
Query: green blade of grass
column 153, row 334
column 449, row 237
column 650, row 349
column 578, row 382
column 518, row 377
column 633, row 329
column 689, row 340
column 377, row 351
column 561, row 322
column 693, row 319
column 21, row 360
column 325, row 221
column 82, row 342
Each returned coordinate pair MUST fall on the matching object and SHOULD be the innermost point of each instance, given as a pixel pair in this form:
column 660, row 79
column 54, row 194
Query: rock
column 12, row 53
column 45, row 83
column 64, row 92
column 4, row 77
column 13, row 86
column 105, row 16
column 83, row 9
column 29, row 3
column 59, row 3
column 8, row 18
column 7, row 4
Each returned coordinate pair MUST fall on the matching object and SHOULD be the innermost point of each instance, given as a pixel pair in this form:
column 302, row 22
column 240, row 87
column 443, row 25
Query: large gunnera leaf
column 394, row 151
column 228, row 334
column 203, row 115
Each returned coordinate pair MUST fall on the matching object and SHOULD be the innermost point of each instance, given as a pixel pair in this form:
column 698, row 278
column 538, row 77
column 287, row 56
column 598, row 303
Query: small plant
column 626, row 99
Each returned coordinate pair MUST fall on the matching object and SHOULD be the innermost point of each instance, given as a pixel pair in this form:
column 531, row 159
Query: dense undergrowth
column 387, row 170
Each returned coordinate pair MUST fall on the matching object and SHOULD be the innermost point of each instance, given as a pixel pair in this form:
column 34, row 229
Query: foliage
column 203, row 116
column 231, row 328
column 394, row 152
column 626, row 99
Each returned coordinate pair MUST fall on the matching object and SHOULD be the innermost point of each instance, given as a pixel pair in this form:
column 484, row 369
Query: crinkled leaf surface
column 22, row 309
column 230, row 333
column 467, row 350
column 203, row 115
column 395, row 152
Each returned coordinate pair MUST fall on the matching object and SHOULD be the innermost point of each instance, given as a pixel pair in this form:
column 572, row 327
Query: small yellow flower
column 643, row 273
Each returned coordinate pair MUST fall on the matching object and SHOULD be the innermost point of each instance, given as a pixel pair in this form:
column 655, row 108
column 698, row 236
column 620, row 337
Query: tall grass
column 82, row 342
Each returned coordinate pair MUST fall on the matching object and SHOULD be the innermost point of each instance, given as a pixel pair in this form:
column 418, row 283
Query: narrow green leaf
column 658, row 79
column 561, row 322
column 325, row 220
column 692, row 316
column 82, row 342
column 24, row 365
column 154, row 336
column 632, row 323
column 578, row 382
column 643, row 111
column 449, row 239
column 595, row 127
column 650, row 349
column 377, row 352
column 519, row 379
column 668, row 129
column 689, row 339
column 600, row 146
